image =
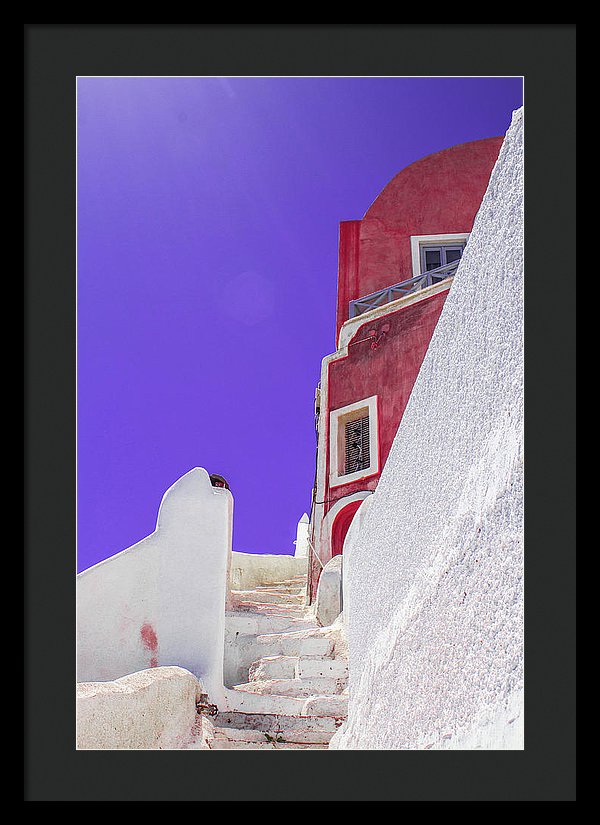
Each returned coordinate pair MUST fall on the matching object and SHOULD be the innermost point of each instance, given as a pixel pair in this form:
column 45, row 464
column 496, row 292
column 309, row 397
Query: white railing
column 392, row 293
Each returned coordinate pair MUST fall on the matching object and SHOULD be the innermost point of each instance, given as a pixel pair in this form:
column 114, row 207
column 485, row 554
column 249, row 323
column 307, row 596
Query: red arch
column 340, row 526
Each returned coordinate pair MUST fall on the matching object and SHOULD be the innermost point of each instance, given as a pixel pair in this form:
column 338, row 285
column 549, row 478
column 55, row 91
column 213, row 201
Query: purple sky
column 208, row 213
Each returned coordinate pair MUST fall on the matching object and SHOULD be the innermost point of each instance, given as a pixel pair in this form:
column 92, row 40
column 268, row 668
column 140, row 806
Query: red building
column 395, row 269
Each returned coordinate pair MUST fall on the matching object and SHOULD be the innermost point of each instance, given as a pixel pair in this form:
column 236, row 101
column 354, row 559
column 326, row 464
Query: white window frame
column 337, row 432
column 417, row 241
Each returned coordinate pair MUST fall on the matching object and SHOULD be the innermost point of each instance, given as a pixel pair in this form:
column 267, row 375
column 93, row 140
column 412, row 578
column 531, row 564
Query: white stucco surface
column 433, row 562
column 328, row 601
column 301, row 543
column 162, row 601
column 250, row 570
column 151, row 709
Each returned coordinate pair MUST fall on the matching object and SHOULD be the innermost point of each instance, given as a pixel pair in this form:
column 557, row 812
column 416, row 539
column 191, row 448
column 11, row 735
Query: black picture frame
column 55, row 54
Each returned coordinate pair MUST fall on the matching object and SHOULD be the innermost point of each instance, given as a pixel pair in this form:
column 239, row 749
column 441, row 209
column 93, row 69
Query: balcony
column 392, row 293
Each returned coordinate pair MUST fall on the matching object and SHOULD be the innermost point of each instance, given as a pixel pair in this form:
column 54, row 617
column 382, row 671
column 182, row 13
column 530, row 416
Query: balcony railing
column 391, row 293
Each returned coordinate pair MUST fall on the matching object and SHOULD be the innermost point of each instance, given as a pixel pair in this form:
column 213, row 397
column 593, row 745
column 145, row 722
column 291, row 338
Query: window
column 353, row 444
column 432, row 257
column 432, row 251
column 356, row 454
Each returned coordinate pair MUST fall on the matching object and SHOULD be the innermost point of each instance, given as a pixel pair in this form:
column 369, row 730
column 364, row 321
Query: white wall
column 162, row 601
column 328, row 601
column 433, row 562
column 250, row 570
column 302, row 537
column 151, row 709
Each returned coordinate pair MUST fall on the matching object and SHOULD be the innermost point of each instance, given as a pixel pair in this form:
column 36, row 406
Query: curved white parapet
column 162, row 601
column 433, row 561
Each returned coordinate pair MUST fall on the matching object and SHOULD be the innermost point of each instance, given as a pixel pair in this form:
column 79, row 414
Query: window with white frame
column 354, row 451
column 435, row 256
column 429, row 252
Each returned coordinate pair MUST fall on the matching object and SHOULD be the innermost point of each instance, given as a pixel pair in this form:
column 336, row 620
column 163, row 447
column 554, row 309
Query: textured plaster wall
column 433, row 562
column 151, row 709
column 162, row 601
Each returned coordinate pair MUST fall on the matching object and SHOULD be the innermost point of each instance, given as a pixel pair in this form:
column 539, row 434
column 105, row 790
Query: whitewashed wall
column 328, row 601
column 250, row 570
column 152, row 709
column 433, row 562
column 301, row 542
column 162, row 601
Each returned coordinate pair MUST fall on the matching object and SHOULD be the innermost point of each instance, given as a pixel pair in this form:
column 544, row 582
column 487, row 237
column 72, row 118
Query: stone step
column 316, row 686
column 227, row 745
column 275, row 607
column 281, row 587
column 244, row 650
column 259, row 736
column 301, row 729
column 276, row 587
column 271, row 609
column 268, row 596
column 248, row 702
column 317, row 666
column 298, row 578
column 256, row 624
column 336, row 706
column 294, row 644
column 273, row 667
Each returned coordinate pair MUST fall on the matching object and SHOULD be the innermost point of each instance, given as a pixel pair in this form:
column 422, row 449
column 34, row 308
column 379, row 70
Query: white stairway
column 295, row 696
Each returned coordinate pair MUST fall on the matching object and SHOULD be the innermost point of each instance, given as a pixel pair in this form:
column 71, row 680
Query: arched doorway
column 340, row 526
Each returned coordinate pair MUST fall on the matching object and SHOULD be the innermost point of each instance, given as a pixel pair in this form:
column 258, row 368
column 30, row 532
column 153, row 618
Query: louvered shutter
column 357, row 445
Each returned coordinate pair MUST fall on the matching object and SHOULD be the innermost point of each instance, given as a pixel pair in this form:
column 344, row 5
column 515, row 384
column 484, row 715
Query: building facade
column 395, row 270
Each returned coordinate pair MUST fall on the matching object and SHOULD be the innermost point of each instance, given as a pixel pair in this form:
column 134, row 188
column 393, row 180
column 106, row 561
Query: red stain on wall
column 150, row 642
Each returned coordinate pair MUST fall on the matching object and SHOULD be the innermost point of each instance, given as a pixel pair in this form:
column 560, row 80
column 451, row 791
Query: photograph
column 300, row 412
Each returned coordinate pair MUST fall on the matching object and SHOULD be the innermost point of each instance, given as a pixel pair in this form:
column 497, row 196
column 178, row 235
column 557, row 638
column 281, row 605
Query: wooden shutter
column 357, row 445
